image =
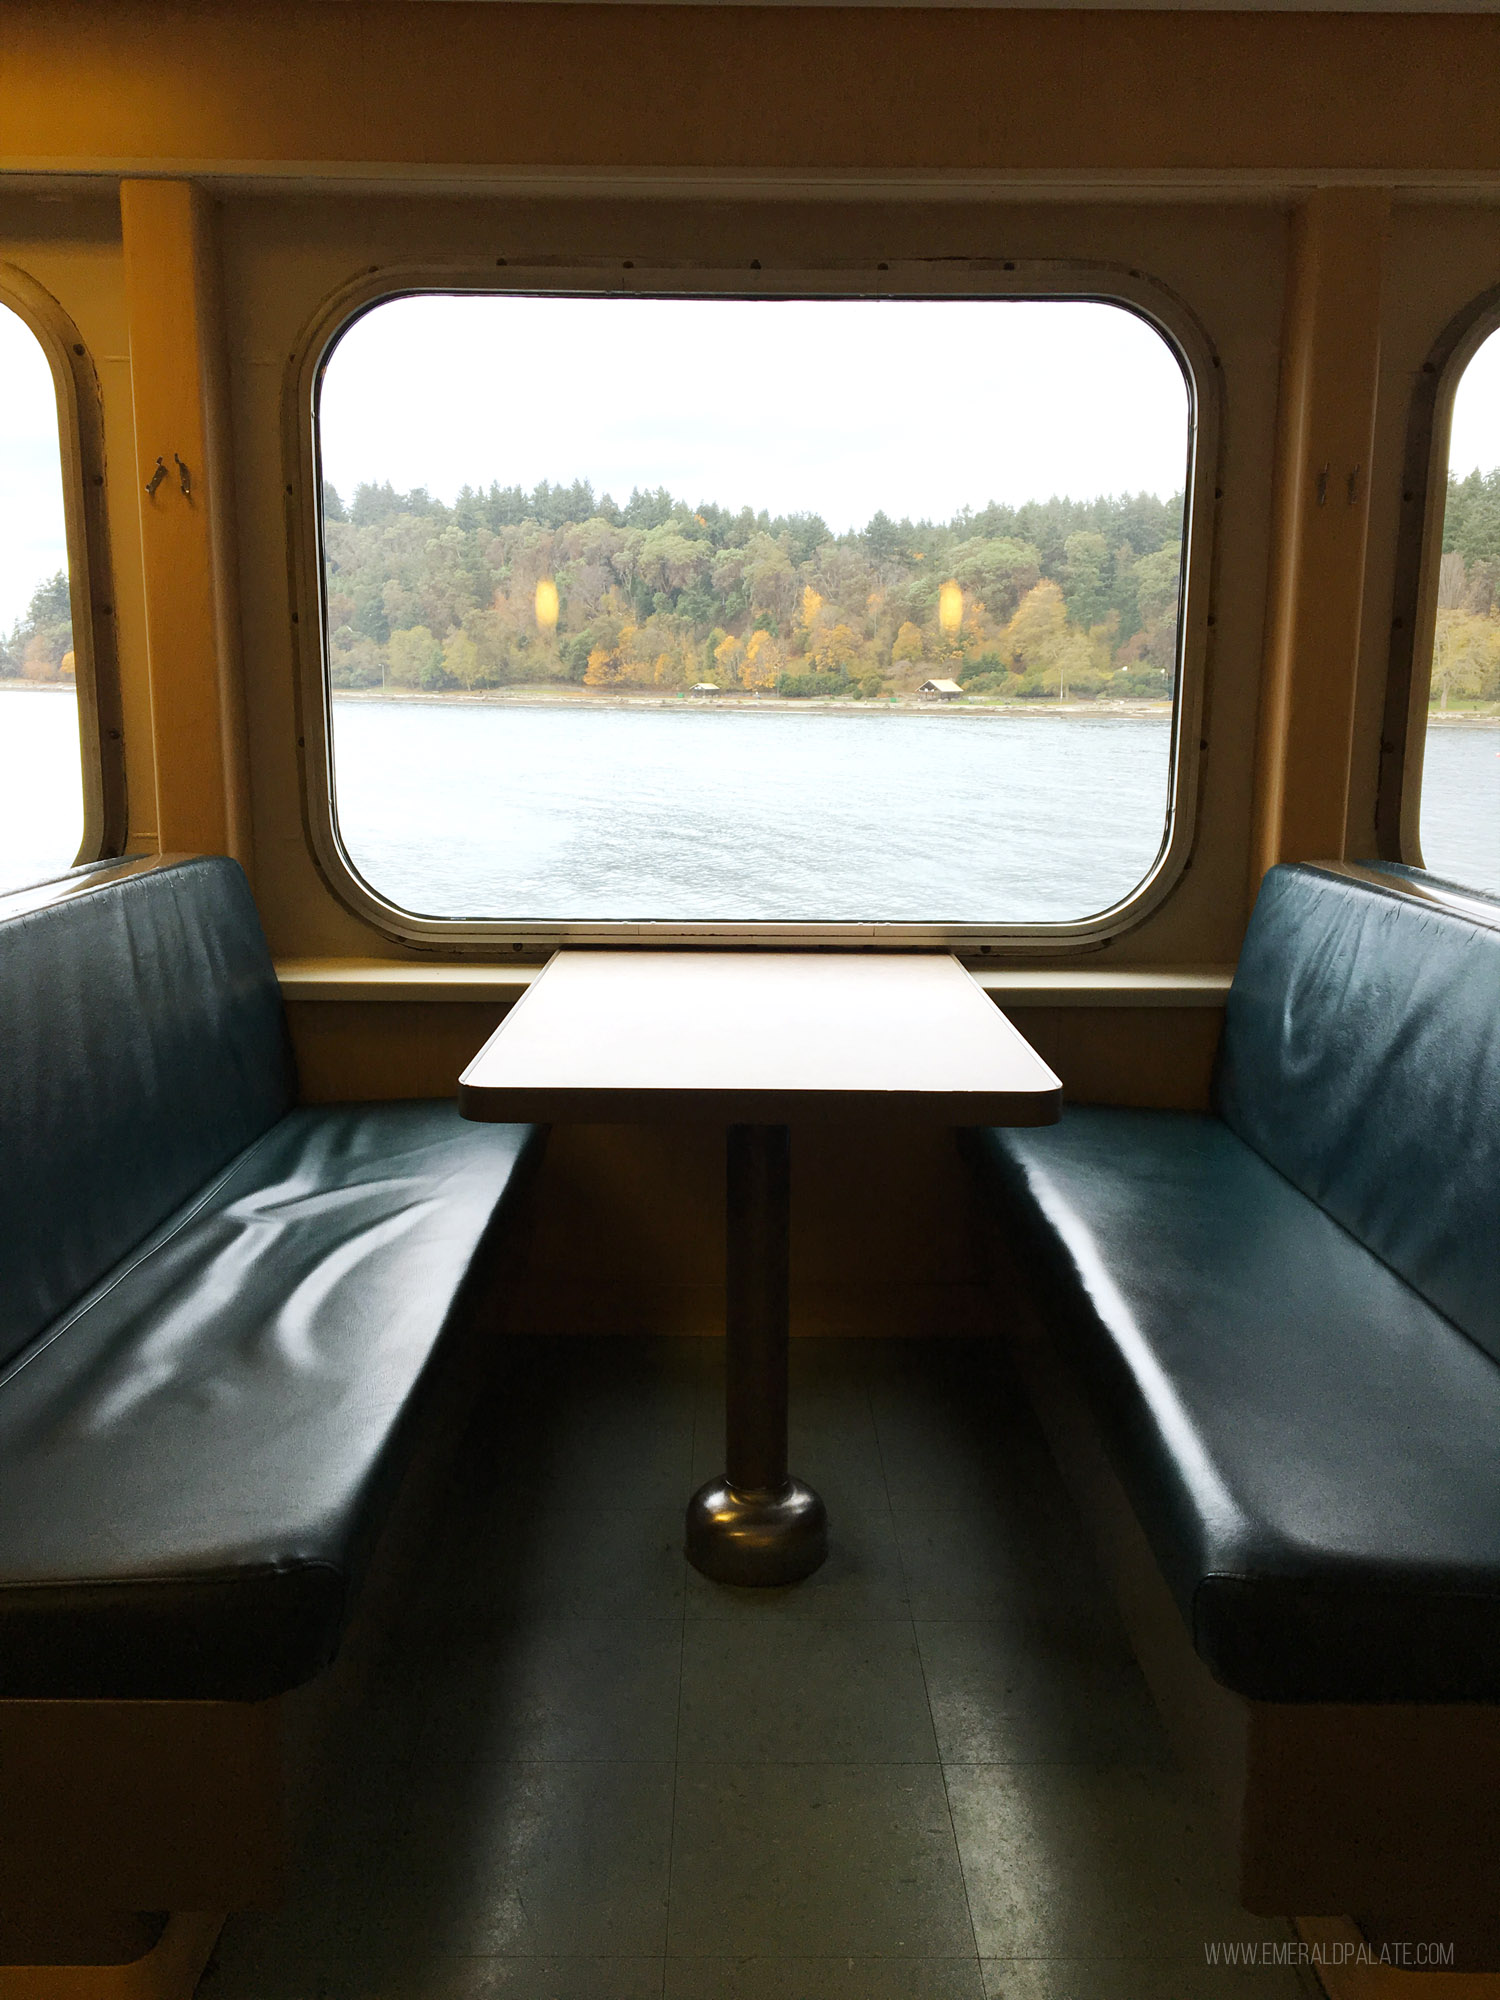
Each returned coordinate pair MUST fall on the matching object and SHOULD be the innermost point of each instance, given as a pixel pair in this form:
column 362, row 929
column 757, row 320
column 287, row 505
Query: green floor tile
column 537, row 1979
column 807, row 1860
column 1138, row 1979
column 569, row 1688
column 804, row 1690
column 1076, row 1861
column 824, row 1979
column 1059, row 1689
column 533, row 1860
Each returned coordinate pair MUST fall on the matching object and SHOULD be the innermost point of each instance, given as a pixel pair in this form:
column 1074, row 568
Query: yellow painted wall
column 251, row 84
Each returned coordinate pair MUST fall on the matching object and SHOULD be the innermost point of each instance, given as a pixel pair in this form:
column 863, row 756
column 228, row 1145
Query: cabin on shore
column 940, row 690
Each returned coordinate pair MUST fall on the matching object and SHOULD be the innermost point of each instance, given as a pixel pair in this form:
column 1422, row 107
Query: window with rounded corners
column 691, row 614
column 1457, row 831
column 61, row 777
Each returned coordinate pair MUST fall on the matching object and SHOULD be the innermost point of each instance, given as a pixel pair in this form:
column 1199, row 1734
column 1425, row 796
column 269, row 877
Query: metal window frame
column 1018, row 280
column 1419, row 551
column 80, row 432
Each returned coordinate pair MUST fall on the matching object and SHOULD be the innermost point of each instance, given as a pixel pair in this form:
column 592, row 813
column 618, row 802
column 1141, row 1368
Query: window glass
column 41, row 772
column 730, row 610
column 1461, row 764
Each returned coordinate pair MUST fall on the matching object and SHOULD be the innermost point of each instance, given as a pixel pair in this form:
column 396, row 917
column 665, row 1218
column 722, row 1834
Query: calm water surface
column 1461, row 804
column 634, row 813
column 631, row 813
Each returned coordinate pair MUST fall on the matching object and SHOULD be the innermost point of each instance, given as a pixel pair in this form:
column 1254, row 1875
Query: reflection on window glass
column 41, row 775
column 1461, row 764
column 717, row 609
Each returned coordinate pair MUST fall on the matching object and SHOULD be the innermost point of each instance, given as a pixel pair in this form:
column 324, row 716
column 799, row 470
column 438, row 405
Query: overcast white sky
column 32, row 541
column 839, row 408
column 835, row 407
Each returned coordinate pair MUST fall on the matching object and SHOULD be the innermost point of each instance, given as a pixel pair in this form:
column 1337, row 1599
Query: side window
column 42, row 813
column 1460, row 822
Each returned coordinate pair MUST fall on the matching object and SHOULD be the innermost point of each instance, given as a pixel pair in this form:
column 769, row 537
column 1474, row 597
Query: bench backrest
column 1361, row 1057
column 142, row 1045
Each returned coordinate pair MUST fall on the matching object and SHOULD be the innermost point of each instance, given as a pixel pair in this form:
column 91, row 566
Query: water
column 41, row 784
column 608, row 812
column 594, row 813
column 1461, row 804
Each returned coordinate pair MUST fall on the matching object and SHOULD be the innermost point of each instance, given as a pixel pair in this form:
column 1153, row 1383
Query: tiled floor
column 580, row 1772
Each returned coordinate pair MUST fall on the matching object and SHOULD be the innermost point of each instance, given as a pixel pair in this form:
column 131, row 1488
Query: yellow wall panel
column 292, row 82
column 184, row 486
column 1329, row 385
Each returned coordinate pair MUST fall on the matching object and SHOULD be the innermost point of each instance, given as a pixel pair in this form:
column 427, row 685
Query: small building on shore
column 705, row 687
column 940, row 690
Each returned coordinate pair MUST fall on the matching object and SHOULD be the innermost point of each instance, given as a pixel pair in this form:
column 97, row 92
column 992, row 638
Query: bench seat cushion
column 1310, row 1446
column 196, row 1457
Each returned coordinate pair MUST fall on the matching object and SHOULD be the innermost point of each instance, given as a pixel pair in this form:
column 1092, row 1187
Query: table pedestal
column 757, row 1525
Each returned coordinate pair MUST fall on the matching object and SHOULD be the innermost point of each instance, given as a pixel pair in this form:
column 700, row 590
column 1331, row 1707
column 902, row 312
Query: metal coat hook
column 156, row 479
column 184, row 477
column 1323, row 486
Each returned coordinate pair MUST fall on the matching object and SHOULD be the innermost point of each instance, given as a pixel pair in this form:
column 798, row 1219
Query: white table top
column 757, row 1038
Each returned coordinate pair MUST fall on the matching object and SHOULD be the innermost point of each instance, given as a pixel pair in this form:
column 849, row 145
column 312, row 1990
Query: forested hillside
column 1466, row 651
column 506, row 588
column 1057, row 596
column 39, row 647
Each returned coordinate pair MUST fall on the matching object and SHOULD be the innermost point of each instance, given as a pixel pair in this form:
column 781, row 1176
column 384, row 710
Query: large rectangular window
column 1460, row 824
column 724, row 610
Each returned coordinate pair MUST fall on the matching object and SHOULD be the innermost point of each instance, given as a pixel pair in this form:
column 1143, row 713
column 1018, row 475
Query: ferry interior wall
column 348, row 1642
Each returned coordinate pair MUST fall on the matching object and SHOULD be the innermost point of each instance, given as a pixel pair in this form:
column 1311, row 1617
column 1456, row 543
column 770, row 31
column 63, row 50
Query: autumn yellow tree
column 909, row 644
column 1042, row 644
column 1465, row 656
column 415, row 657
column 728, row 657
column 763, row 661
column 461, row 659
column 1039, row 626
column 832, row 646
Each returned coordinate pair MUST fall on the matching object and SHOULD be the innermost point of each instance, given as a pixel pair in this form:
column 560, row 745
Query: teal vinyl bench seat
column 223, row 1316
column 1283, row 1316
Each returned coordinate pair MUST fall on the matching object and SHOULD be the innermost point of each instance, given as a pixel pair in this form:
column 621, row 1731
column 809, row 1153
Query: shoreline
column 748, row 704
column 545, row 696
